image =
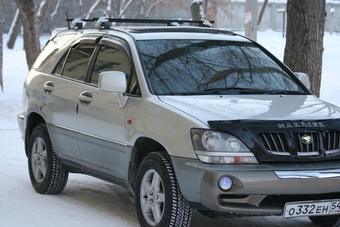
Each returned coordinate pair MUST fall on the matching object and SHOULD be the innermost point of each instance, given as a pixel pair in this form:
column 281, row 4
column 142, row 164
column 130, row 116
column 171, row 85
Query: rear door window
column 76, row 63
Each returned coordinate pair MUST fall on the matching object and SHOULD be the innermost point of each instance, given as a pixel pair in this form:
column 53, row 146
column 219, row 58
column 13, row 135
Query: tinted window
column 199, row 66
column 113, row 59
column 109, row 59
column 77, row 61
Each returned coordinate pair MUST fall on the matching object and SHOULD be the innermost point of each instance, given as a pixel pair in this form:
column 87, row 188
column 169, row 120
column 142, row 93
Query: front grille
column 300, row 143
column 332, row 140
column 274, row 142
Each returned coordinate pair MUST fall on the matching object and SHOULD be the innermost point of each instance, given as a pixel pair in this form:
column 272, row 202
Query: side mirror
column 112, row 81
column 303, row 77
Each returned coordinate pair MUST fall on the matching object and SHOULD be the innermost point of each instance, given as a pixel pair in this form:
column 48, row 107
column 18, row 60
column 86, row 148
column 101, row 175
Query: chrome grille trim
column 308, row 174
column 290, row 143
column 308, row 153
column 332, row 152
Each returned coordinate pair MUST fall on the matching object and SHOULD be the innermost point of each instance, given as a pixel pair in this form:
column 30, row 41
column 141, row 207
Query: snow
column 87, row 201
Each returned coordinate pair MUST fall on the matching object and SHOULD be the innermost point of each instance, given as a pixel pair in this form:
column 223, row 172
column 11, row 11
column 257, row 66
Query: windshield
column 196, row 67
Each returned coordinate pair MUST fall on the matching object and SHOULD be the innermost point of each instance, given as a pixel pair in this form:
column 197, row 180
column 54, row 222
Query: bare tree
column 42, row 11
column 152, row 5
column 120, row 8
column 123, row 6
column 14, row 30
column 108, row 11
column 304, row 42
column 156, row 8
column 107, row 8
column 31, row 30
column 91, row 10
column 262, row 12
column 1, row 47
column 197, row 11
column 52, row 15
column 16, row 23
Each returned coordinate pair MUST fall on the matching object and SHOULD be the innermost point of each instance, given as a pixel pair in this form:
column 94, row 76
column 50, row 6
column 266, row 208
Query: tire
column 326, row 221
column 156, row 181
column 47, row 174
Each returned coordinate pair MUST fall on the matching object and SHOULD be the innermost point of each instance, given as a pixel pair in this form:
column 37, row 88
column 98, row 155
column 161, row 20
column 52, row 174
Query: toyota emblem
column 306, row 139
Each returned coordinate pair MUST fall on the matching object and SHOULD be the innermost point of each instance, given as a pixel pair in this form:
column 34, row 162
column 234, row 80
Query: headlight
column 217, row 147
column 207, row 140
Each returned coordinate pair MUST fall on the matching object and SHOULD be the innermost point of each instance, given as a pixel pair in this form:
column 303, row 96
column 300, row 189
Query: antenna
column 68, row 22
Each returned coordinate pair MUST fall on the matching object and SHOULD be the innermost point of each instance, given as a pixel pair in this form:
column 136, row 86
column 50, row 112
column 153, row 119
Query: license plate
column 312, row 208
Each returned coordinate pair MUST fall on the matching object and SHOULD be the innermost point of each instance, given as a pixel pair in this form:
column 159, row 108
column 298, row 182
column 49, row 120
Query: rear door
column 63, row 89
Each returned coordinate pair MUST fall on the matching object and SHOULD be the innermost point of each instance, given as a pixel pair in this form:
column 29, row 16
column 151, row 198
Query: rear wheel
column 326, row 221
column 47, row 174
column 159, row 201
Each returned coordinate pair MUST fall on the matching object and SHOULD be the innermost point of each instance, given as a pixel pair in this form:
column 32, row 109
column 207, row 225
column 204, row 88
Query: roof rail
column 103, row 22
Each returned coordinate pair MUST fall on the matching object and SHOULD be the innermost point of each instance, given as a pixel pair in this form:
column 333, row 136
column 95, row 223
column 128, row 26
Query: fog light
column 225, row 183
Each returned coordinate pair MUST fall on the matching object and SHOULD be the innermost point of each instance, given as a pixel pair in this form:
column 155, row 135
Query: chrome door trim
column 93, row 136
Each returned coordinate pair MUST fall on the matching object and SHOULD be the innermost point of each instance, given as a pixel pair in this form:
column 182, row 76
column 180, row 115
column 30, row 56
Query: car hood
column 253, row 107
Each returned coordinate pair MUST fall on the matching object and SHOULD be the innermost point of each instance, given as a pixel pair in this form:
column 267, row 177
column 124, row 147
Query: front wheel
column 47, row 174
column 159, row 201
column 326, row 221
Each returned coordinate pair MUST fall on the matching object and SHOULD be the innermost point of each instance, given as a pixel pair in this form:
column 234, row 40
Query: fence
column 274, row 18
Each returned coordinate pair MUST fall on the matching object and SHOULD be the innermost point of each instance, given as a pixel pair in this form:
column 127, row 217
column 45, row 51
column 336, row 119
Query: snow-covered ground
column 87, row 201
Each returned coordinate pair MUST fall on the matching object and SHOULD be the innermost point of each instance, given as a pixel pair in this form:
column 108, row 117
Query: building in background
column 226, row 14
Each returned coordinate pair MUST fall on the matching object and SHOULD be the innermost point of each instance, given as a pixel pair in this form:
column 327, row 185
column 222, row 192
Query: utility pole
column 251, row 16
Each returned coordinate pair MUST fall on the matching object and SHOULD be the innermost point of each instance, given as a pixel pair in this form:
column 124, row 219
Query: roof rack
column 103, row 22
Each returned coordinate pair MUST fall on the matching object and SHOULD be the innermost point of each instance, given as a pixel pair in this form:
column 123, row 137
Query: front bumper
column 21, row 122
column 257, row 189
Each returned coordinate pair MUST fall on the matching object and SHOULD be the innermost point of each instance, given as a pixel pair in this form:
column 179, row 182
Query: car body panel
column 152, row 119
column 199, row 184
column 59, row 110
column 261, row 107
column 101, row 133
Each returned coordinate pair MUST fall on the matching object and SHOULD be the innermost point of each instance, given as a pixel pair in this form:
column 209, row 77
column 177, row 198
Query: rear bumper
column 21, row 122
column 257, row 189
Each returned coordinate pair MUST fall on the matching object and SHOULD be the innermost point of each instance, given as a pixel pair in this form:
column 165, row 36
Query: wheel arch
column 142, row 147
column 33, row 120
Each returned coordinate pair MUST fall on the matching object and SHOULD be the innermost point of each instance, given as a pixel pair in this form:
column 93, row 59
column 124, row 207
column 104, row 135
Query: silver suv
column 185, row 118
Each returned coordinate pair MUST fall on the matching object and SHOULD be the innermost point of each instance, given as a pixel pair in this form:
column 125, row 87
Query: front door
column 101, row 120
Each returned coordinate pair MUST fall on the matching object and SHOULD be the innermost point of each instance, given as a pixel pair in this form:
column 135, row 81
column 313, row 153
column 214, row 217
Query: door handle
column 85, row 98
column 48, row 87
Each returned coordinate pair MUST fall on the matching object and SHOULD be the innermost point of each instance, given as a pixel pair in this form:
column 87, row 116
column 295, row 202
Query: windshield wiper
column 240, row 90
column 232, row 90
column 284, row 92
